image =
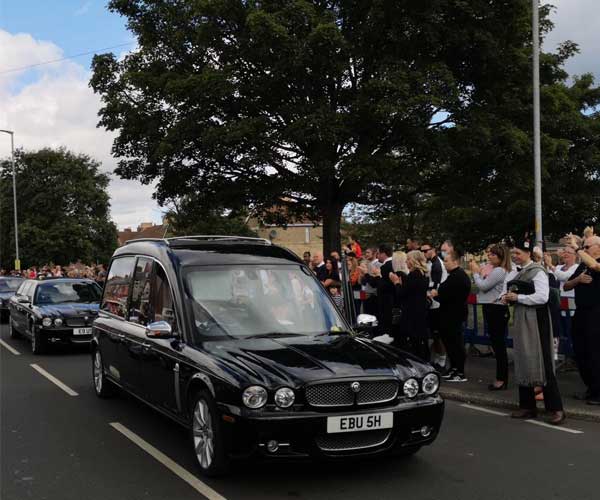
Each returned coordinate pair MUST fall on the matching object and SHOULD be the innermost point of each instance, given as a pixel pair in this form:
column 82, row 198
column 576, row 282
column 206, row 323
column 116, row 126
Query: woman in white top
column 495, row 314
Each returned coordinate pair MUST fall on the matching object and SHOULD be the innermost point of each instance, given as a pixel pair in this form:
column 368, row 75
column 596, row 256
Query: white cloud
column 83, row 9
column 55, row 107
column 578, row 20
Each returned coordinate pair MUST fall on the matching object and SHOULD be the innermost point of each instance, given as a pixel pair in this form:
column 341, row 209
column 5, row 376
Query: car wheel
column 103, row 387
column 207, row 435
column 12, row 331
column 38, row 345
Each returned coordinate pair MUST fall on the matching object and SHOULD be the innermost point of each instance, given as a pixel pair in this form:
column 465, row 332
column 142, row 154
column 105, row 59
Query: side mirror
column 365, row 323
column 159, row 330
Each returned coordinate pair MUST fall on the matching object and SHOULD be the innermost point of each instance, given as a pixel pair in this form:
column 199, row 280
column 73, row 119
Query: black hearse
column 235, row 339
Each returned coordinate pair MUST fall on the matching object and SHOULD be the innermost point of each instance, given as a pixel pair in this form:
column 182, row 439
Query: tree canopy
column 317, row 104
column 63, row 209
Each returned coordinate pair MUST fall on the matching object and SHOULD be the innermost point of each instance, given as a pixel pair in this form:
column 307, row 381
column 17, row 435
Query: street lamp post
column 537, row 155
column 14, row 176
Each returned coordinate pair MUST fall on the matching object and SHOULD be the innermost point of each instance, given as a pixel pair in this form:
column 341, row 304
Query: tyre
column 38, row 343
column 104, row 388
column 207, row 435
column 12, row 331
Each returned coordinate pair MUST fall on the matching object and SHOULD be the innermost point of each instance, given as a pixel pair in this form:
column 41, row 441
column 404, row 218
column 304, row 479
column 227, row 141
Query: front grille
column 76, row 322
column 348, row 441
column 336, row 394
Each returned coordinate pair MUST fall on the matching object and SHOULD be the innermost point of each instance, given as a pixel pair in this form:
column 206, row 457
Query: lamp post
column 537, row 155
column 14, row 176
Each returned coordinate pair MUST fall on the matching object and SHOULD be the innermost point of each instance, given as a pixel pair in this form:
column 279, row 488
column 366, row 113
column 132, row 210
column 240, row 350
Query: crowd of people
column 420, row 299
column 95, row 272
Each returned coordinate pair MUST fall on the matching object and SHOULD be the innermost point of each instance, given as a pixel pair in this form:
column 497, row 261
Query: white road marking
column 485, row 410
column 555, row 427
column 54, row 380
column 174, row 467
column 10, row 348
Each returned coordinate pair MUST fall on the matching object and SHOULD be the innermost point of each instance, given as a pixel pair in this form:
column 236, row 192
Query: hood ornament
column 355, row 386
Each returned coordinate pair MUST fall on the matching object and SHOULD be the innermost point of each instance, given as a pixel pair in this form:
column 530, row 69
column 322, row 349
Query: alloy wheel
column 202, row 429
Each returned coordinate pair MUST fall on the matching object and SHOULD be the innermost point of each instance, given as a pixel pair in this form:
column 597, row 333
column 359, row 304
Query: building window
column 307, row 235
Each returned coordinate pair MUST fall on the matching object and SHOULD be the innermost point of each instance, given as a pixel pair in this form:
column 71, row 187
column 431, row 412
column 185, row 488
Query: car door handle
column 146, row 345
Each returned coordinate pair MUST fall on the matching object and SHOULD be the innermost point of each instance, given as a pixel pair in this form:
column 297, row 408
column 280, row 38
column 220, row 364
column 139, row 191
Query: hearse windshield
column 249, row 301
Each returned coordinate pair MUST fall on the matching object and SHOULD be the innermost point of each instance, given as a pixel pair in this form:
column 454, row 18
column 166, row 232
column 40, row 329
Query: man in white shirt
column 563, row 274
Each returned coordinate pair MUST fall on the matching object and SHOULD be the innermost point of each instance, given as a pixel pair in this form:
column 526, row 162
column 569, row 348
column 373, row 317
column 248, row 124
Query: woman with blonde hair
column 411, row 297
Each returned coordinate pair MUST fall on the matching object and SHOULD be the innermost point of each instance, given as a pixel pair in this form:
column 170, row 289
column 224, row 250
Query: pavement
column 58, row 441
column 482, row 371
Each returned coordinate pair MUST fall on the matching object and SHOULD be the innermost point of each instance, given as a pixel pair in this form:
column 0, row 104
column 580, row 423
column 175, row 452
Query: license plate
column 82, row 331
column 354, row 423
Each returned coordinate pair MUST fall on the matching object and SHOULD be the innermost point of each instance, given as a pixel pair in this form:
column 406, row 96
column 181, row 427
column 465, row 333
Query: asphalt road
column 60, row 446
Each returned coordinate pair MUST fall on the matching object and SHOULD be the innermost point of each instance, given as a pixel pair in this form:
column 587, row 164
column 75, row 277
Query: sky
column 52, row 104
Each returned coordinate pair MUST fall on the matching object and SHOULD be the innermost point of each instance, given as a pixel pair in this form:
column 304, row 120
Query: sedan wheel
column 207, row 436
column 104, row 388
column 11, row 329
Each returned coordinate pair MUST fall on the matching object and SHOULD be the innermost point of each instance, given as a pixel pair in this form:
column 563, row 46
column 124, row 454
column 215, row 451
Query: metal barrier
column 472, row 335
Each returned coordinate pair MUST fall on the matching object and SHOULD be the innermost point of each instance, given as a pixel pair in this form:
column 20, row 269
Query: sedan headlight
column 284, row 397
column 255, row 397
column 47, row 322
column 431, row 383
column 411, row 388
column 58, row 322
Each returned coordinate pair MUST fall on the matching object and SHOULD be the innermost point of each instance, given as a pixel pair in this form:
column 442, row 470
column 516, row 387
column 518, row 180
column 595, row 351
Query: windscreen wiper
column 273, row 335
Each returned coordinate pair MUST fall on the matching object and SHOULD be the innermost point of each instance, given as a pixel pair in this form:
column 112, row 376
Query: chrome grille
column 337, row 394
column 377, row 392
column 348, row 441
column 331, row 394
column 76, row 322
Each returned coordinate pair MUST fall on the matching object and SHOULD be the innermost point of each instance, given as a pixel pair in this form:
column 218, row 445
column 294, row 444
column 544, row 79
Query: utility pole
column 537, row 150
column 14, row 176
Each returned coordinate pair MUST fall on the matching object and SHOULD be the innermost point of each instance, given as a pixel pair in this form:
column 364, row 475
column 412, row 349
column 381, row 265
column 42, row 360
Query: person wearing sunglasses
column 586, row 322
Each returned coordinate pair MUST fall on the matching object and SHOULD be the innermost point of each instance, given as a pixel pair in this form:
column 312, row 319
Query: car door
column 110, row 325
column 161, row 357
column 134, row 328
column 17, row 309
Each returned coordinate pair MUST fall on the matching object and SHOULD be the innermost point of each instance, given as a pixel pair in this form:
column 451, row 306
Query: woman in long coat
column 412, row 333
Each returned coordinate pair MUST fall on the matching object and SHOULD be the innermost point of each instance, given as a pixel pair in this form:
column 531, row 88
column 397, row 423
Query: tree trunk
column 332, row 218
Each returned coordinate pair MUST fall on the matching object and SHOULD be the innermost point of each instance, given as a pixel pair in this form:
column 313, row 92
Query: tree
column 63, row 209
column 188, row 216
column 320, row 103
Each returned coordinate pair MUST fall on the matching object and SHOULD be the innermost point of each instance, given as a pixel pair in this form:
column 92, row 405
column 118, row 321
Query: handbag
column 521, row 287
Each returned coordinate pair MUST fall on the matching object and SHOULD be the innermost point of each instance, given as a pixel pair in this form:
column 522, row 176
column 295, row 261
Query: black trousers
column 552, row 399
column 370, row 305
column 452, row 337
column 586, row 346
column 496, row 317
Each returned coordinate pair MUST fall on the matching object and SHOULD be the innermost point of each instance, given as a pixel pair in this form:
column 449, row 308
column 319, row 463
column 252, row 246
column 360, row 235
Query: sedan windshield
column 10, row 284
column 250, row 301
column 59, row 293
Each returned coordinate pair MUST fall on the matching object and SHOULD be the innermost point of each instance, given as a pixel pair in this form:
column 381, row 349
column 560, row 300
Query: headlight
column 284, row 397
column 431, row 383
column 255, row 397
column 58, row 322
column 411, row 388
column 47, row 322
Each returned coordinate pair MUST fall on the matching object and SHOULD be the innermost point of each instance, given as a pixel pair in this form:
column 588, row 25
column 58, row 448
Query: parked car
column 237, row 340
column 8, row 287
column 59, row 310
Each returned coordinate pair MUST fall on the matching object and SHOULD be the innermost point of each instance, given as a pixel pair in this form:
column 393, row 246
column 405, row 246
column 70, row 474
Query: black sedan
column 238, row 341
column 54, row 311
column 8, row 287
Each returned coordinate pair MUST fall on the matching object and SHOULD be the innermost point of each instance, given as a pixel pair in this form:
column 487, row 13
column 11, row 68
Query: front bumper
column 304, row 433
column 64, row 335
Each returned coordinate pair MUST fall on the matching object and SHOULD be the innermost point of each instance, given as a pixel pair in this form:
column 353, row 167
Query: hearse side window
column 162, row 298
column 139, row 307
column 116, row 290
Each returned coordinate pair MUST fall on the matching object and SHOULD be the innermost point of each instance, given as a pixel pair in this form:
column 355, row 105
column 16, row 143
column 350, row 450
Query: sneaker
column 449, row 374
column 457, row 377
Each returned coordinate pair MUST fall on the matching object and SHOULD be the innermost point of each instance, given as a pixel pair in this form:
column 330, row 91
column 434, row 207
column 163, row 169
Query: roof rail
column 144, row 239
column 216, row 237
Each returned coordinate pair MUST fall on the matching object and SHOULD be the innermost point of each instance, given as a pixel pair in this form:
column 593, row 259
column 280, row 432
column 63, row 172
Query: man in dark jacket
column 452, row 295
